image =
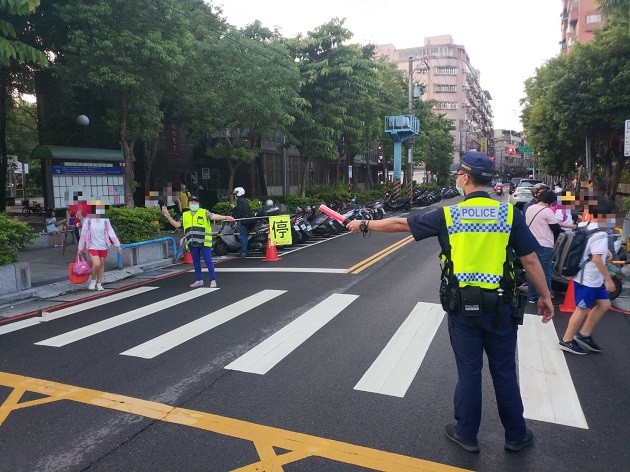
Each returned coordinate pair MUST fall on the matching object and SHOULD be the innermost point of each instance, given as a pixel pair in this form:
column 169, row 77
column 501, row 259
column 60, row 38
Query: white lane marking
column 19, row 325
column 263, row 357
column 312, row 270
column 396, row 366
column 46, row 316
column 95, row 328
column 546, row 385
column 163, row 343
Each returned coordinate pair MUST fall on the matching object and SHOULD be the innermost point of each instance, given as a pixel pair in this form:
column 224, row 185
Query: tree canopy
column 579, row 101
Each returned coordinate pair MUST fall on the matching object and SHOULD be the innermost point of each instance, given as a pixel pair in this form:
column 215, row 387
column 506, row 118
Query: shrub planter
column 15, row 277
column 44, row 240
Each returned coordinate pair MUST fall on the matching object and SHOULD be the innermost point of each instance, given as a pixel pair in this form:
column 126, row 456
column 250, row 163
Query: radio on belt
column 480, row 213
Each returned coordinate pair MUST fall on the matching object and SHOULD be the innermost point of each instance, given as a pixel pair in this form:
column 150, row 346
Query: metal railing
column 142, row 243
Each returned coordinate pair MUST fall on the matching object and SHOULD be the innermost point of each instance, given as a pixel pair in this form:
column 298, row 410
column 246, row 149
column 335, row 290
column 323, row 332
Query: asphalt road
column 295, row 365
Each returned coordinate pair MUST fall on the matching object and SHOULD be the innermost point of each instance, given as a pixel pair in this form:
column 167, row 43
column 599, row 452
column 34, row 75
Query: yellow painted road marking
column 265, row 438
column 364, row 264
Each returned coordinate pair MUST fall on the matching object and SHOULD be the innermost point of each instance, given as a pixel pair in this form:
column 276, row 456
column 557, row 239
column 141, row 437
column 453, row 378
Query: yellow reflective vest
column 478, row 231
column 197, row 229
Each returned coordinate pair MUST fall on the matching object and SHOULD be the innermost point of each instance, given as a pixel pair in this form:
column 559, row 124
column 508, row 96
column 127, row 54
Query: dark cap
column 475, row 163
column 192, row 197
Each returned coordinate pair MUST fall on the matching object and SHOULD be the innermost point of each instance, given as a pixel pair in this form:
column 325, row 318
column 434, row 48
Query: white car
column 520, row 197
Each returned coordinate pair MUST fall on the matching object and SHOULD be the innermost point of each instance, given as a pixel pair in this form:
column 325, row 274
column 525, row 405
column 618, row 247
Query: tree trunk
column 232, row 167
column 305, row 171
column 127, row 149
column 150, row 151
column 370, row 180
column 4, row 93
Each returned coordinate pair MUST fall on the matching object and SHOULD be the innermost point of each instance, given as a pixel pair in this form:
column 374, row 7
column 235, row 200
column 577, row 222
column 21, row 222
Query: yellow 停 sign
column 280, row 230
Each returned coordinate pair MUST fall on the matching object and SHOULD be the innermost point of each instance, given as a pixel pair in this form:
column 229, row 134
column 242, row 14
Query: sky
column 506, row 40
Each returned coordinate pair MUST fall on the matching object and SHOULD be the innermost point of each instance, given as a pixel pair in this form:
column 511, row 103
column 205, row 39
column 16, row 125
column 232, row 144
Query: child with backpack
column 592, row 282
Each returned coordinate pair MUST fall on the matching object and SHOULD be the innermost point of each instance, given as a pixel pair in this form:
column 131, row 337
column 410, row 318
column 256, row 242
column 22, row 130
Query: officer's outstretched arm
column 534, row 270
column 389, row 225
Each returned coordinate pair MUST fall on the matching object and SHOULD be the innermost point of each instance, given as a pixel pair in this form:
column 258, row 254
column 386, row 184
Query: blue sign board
column 86, row 170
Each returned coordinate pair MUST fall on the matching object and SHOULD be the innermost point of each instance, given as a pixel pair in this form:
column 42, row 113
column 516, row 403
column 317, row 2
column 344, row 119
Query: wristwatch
column 363, row 227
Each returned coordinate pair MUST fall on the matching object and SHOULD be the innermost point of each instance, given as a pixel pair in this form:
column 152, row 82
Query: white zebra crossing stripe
column 94, row 303
column 396, row 366
column 178, row 336
column 262, row 358
column 19, row 325
column 72, row 310
column 90, row 330
column 546, row 385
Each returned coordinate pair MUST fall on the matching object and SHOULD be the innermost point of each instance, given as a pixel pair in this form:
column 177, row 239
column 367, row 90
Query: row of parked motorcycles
column 420, row 198
column 309, row 223
column 306, row 224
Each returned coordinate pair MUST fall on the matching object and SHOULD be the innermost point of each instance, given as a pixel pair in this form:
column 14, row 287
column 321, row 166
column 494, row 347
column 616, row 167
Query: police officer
column 478, row 238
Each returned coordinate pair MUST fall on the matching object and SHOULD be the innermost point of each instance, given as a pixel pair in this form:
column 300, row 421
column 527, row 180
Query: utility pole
column 411, row 143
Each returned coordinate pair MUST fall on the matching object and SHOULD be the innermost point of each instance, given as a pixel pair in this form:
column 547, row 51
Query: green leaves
column 584, row 94
column 10, row 48
column 13, row 235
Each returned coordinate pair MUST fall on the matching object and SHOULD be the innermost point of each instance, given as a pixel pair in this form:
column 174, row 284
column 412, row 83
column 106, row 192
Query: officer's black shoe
column 451, row 433
column 528, row 440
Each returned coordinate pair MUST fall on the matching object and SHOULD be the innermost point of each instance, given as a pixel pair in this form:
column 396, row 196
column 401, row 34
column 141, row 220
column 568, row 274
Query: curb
column 56, row 289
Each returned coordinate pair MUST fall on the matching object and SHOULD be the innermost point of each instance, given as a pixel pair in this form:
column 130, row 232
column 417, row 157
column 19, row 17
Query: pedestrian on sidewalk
column 479, row 238
column 52, row 227
column 198, row 236
column 97, row 235
column 593, row 282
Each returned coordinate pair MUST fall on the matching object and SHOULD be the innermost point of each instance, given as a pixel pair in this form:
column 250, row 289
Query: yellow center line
column 364, row 264
column 265, row 438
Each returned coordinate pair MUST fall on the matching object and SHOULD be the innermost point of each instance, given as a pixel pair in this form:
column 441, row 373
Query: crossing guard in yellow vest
column 198, row 236
column 479, row 238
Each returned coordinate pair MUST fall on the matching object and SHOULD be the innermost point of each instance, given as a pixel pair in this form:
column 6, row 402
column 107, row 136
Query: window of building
column 447, row 105
column 445, row 88
column 446, row 70
column 595, row 18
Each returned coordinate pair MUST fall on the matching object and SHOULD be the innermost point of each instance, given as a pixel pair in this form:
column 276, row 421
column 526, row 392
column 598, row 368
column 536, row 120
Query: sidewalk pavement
column 50, row 279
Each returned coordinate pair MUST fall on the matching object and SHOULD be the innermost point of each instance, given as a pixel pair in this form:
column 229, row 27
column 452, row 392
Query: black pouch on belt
column 471, row 301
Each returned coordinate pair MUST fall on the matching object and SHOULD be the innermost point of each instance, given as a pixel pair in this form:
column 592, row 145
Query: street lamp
column 83, row 121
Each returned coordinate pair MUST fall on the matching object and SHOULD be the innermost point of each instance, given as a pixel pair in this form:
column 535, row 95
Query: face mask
column 194, row 206
column 459, row 189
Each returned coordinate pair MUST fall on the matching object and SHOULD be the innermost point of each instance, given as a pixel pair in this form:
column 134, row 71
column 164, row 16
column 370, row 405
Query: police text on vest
column 480, row 213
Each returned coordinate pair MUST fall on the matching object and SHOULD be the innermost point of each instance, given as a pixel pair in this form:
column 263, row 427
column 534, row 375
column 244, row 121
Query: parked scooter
column 225, row 241
column 396, row 204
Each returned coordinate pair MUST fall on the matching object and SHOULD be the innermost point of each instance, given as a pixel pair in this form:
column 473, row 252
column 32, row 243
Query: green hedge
column 224, row 208
column 13, row 235
column 133, row 225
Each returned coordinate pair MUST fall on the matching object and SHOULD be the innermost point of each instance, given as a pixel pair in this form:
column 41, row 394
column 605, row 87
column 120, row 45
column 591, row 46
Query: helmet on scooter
column 268, row 204
column 239, row 191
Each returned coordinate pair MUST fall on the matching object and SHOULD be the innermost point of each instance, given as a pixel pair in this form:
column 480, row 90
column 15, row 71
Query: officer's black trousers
column 470, row 336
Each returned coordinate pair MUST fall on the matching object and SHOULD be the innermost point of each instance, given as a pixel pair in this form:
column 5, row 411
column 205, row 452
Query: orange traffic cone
column 568, row 306
column 187, row 257
column 272, row 252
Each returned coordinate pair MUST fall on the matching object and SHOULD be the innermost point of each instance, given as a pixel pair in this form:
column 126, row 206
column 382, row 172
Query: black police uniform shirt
column 433, row 223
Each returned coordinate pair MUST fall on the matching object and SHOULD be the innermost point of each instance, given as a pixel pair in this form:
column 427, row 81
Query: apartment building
column 508, row 161
column 578, row 21
column 445, row 70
